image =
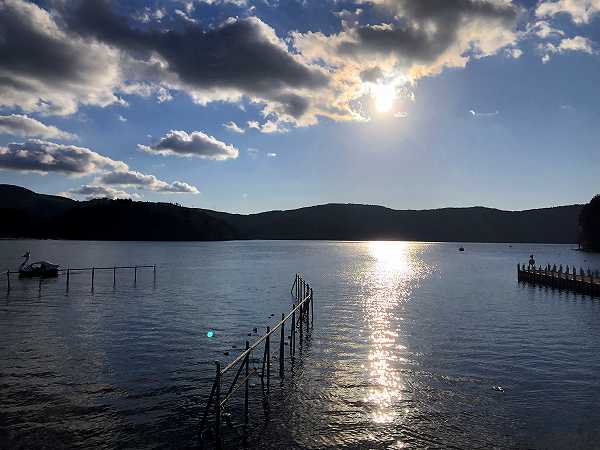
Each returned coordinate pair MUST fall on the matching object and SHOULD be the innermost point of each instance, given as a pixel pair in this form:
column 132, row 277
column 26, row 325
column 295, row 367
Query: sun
column 384, row 96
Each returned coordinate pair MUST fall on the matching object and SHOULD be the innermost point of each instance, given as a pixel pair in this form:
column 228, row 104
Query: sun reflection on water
column 390, row 284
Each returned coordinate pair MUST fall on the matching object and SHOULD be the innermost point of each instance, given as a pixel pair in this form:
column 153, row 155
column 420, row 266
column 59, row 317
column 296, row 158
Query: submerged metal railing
column 92, row 271
column 301, row 315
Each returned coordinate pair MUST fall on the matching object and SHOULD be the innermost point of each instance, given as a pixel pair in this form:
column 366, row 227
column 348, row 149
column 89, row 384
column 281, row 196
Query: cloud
column 43, row 157
column 271, row 155
column 415, row 39
column 268, row 127
column 121, row 118
column 241, row 57
column 580, row 11
column 93, row 191
column 232, row 126
column 195, row 144
column 131, row 178
column 45, row 68
column 575, row 44
column 24, row 126
column 483, row 114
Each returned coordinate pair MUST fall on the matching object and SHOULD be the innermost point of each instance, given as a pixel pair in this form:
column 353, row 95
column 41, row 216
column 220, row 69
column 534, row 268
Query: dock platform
column 557, row 278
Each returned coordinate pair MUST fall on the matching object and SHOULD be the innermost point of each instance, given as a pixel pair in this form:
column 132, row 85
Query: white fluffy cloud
column 44, row 157
column 134, row 179
column 24, row 126
column 575, row 44
column 89, row 191
column 580, row 11
column 195, row 144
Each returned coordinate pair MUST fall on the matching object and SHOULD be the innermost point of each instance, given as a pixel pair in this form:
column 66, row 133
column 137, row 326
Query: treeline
column 589, row 221
column 24, row 213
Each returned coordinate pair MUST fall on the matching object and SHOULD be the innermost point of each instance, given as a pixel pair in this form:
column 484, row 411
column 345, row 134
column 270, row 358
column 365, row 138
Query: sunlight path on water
column 394, row 271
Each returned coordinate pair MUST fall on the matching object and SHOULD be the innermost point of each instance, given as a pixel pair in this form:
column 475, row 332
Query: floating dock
column 584, row 282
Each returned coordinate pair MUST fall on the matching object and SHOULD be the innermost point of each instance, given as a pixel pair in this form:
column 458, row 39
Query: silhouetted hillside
column 27, row 214
column 366, row 222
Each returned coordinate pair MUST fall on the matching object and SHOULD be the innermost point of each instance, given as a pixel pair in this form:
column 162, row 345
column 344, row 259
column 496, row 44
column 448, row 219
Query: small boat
column 461, row 249
column 38, row 268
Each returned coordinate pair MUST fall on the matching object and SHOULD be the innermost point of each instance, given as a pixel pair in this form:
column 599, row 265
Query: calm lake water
column 409, row 341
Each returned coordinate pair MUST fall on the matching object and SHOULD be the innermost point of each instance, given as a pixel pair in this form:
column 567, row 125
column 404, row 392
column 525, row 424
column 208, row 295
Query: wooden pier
column 570, row 279
column 299, row 317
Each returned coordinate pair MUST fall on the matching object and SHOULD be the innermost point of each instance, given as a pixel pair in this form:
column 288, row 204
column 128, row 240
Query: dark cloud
column 196, row 143
column 21, row 125
column 242, row 54
column 43, row 68
column 427, row 28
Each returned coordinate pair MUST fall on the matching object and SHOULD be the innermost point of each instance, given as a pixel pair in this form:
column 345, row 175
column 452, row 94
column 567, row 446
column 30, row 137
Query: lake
column 414, row 345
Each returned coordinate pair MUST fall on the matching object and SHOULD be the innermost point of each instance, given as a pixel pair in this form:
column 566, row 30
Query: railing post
column 268, row 346
column 312, row 310
column 68, row 276
column 135, row 275
column 218, row 404
column 246, row 362
column 93, row 274
column 307, row 307
column 282, row 346
column 154, row 276
column 114, row 276
column 293, row 331
column 301, row 318
column 8, row 279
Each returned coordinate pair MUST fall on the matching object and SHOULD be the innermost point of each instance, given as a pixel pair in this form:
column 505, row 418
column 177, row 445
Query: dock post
column 68, row 276
column 135, row 275
column 268, row 346
column 154, row 275
column 218, row 404
column 114, row 276
column 246, row 362
column 293, row 332
column 312, row 308
column 8, row 280
column 93, row 274
column 301, row 318
column 307, row 307
column 282, row 346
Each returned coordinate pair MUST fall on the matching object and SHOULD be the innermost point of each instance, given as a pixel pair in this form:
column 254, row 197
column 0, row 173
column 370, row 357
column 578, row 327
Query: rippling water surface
column 414, row 345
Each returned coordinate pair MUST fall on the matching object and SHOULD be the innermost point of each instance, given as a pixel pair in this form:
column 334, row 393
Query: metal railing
column 92, row 270
column 301, row 315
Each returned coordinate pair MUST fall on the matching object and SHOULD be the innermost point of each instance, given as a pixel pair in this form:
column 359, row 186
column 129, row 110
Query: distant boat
column 38, row 268
column 461, row 249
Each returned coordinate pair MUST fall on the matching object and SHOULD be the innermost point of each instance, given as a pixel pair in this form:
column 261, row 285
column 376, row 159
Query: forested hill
column 27, row 214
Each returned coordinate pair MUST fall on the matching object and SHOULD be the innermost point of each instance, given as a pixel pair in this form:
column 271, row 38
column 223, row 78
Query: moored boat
column 38, row 268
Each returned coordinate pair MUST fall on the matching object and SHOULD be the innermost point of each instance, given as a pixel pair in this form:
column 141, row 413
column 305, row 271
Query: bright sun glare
column 384, row 95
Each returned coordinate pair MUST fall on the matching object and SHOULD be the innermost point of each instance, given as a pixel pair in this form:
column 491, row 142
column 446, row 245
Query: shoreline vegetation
column 26, row 214
column 589, row 222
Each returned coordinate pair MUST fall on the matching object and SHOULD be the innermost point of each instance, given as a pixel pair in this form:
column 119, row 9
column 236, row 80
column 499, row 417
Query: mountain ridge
column 28, row 214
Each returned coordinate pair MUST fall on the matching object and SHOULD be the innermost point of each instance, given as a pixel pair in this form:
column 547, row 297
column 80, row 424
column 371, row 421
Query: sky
column 254, row 105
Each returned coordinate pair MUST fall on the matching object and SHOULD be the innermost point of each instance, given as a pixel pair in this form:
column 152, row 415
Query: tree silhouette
column 589, row 220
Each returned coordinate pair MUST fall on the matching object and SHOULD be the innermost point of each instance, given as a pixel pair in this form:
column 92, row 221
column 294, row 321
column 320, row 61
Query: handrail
column 16, row 272
column 263, row 338
column 304, row 296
